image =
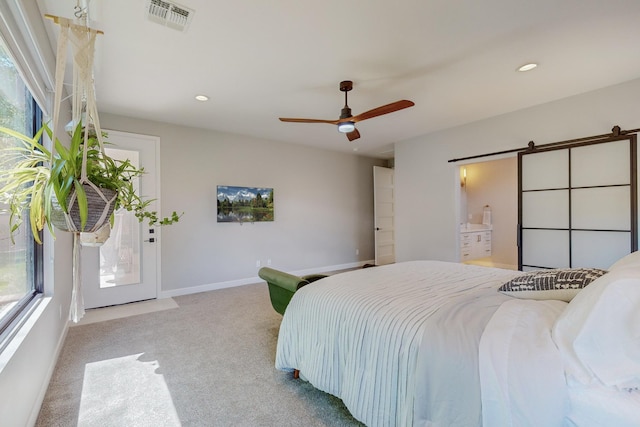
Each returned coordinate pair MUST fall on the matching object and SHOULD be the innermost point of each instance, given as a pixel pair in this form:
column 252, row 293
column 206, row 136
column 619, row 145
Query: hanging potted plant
column 60, row 187
column 75, row 189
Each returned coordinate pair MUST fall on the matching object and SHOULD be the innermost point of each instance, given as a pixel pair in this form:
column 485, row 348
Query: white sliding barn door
column 577, row 205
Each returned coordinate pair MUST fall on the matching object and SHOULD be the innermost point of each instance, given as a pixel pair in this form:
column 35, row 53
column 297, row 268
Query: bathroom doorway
column 493, row 183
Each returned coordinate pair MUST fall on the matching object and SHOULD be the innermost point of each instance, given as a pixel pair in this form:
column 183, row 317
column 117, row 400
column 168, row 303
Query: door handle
column 151, row 240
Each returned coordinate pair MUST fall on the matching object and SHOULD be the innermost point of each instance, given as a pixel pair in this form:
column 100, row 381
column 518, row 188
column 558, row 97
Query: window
column 20, row 263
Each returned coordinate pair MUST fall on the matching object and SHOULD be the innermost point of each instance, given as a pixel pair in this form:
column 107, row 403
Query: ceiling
column 260, row 60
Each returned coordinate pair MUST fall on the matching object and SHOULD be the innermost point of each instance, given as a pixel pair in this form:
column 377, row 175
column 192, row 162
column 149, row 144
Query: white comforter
column 385, row 339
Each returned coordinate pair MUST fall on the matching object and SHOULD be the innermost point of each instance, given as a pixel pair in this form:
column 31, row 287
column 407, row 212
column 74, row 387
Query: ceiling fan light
column 346, row 127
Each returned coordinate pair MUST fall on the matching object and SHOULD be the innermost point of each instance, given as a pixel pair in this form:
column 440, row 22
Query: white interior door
column 125, row 269
column 383, row 197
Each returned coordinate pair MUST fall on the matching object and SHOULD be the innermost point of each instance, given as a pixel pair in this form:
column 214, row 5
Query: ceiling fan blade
column 354, row 134
column 331, row 122
column 385, row 109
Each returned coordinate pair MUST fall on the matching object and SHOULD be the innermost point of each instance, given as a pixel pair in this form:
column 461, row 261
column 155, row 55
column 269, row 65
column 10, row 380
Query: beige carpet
column 209, row 362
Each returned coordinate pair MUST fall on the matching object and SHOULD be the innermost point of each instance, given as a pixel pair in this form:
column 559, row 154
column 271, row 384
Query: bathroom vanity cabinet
column 475, row 241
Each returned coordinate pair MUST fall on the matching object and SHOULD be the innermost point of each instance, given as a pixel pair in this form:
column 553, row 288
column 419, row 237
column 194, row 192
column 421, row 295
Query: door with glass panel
column 125, row 268
column 577, row 204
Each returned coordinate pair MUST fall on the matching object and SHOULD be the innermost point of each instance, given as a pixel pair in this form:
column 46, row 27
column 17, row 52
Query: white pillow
column 632, row 259
column 598, row 334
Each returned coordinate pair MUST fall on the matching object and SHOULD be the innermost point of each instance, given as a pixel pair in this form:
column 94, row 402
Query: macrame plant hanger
column 83, row 100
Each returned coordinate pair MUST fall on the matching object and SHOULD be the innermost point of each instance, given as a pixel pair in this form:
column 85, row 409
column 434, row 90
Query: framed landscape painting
column 244, row 204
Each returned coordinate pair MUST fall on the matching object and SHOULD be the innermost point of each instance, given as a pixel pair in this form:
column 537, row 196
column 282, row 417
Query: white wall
column 323, row 206
column 427, row 203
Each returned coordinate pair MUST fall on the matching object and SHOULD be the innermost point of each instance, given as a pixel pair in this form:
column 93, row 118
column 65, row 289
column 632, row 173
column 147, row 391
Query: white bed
column 430, row 343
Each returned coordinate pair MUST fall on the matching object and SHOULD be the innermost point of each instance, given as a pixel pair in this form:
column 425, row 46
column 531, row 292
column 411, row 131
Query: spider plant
column 32, row 179
column 24, row 178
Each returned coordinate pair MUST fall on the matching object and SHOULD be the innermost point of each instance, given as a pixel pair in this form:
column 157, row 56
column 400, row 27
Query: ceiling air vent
column 170, row 14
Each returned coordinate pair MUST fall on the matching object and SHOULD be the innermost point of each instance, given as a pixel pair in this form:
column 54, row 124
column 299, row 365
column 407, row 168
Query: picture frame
column 244, row 204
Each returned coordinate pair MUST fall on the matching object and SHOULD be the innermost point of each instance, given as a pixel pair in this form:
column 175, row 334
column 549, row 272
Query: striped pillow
column 559, row 284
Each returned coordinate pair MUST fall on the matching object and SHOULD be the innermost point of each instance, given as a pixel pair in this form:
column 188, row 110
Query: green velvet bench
column 283, row 285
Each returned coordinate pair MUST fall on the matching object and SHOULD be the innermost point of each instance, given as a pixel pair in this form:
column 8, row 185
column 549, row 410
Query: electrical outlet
column 269, row 261
column 357, row 251
column 258, row 264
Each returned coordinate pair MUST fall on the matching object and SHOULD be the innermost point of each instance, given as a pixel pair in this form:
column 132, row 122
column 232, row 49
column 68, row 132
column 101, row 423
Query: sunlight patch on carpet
column 126, row 391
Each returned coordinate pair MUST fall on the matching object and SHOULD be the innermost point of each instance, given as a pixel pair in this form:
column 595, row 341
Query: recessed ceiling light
column 202, row 98
column 528, row 67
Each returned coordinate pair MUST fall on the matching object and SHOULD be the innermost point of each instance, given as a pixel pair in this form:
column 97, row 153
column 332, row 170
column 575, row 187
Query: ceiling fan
column 346, row 122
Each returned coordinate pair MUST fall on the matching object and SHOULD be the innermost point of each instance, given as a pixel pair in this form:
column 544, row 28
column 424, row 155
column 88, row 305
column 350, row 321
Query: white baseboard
column 252, row 280
column 208, row 287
